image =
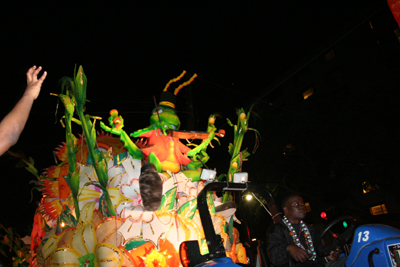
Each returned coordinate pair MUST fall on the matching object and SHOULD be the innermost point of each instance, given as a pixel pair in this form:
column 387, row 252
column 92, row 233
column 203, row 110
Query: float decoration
column 165, row 151
column 94, row 212
column 12, row 246
column 237, row 156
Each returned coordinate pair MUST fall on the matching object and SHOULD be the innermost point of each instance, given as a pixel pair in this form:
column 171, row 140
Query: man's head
column 293, row 208
column 151, row 187
column 148, row 166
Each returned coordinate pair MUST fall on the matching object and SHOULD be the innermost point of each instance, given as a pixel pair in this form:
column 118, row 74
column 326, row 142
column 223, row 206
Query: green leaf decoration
column 87, row 260
column 245, row 153
column 210, row 202
column 230, row 148
column 103, row 207
column 47, row 228
column 80, row 88
column 216, row 139
column 13, row 248
column 68, row 180
column 25, row 163
column 75, row 183
column 168, row 200
column 188, row 209
column 68, row 218
column 230, row 232
column 204, row 247
column 134, row 243
column 102, row 171
column 221, row 176
column 38, row 188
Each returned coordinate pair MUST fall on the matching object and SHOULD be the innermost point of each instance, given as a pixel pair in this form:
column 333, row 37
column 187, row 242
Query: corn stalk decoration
column 237, row 156
column 77, row 99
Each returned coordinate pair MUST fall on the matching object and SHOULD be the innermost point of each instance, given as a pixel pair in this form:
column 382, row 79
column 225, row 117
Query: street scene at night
column 227, row 134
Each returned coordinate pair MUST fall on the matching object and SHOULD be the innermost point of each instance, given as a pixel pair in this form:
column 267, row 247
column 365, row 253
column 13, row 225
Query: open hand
column 33, row 83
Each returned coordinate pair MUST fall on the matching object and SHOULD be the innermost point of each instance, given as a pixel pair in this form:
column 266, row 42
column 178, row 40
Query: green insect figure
column 164, row 150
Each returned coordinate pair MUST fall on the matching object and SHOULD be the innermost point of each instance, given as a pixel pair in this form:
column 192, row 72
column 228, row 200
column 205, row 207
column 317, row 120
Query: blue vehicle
column 375, row 245
column 372, row 244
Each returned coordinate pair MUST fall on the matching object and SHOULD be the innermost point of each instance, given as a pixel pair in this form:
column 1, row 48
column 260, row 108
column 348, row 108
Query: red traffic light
column 323, row 215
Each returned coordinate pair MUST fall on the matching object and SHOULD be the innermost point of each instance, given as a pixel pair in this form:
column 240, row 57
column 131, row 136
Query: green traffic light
column 344, row 224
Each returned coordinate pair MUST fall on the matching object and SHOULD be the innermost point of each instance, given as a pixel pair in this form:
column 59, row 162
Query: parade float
column 92, row 212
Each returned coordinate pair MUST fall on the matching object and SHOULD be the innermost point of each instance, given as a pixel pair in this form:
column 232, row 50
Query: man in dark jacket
column 292, row 242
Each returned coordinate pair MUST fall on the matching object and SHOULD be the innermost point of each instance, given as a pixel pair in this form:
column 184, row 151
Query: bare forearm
column 13, row 124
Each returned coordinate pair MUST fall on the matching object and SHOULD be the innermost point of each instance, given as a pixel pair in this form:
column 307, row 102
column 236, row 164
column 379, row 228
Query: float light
column 240, row 177
column 208, row 175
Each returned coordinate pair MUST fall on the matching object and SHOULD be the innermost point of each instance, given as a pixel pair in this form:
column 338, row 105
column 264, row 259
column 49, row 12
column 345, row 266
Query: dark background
column 130, row 50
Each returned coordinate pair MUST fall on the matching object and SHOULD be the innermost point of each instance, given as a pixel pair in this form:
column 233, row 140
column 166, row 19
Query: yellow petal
column 86, row 194
column 40, row 259
column 87, row 174
column 241, row 253
column 116, row 197
column 51, row 245
column 106, row 231
column 65, row 257
column 66, row 240
column 108, row 255
column 127, row 259
column 84, row 239
column 87, row 212
column 97, row 218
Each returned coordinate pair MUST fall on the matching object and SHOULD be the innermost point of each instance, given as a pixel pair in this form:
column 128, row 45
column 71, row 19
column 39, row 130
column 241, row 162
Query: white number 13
column 364, row 236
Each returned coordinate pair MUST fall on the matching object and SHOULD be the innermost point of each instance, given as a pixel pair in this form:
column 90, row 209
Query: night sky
column 130, row 51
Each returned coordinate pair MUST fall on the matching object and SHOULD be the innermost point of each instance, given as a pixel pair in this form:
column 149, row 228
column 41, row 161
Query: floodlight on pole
column 240, row 177
column 208, row 175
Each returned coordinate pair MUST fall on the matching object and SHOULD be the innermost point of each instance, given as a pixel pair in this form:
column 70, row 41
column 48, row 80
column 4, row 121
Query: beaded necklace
column 303, row 228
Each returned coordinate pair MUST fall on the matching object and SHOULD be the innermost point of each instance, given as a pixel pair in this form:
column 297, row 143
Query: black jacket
column 278, row 238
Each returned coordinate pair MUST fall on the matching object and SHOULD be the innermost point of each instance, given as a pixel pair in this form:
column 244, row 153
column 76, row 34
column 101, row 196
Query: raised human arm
column 14, row 122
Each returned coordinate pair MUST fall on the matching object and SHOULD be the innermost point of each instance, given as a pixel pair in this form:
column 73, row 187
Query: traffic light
column 324, row 216
column 344, row 224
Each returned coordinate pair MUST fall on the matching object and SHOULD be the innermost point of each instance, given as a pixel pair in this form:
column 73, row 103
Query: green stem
column 71, row 150
column 103, row 177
